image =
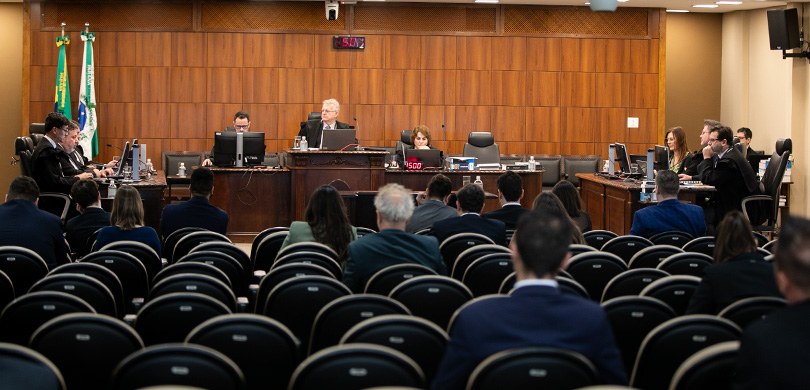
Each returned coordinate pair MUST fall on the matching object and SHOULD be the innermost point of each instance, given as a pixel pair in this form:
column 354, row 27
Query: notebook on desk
column 338, row 139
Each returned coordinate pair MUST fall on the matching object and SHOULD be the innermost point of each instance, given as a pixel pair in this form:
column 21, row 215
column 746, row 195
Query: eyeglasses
column 325, row 110
column 241, row 127
column 712, row 140
column 66, row 129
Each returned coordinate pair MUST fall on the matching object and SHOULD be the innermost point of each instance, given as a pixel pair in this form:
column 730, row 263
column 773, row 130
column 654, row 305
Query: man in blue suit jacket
column 25, row 225
column 536, row 314
column 196, row 212
column 510, row 192
column 670, row 213
column 91, row 218
column 469, row 204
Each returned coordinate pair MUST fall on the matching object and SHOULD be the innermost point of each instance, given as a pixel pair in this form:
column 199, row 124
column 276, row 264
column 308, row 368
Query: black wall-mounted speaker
column 783, row 28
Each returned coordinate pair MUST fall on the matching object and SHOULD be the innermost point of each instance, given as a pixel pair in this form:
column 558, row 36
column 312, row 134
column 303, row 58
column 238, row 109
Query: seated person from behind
column 25, row 225
column 241, row 124
column 326, row 222
column 670, row 213
column 126, row 222
column 432, row 205
column 739, row 270
column 392, row 245
column 313, row 129
column 535, row 314
column 91, row 218
column 48, row 157
column 774, row 351
column 469, row 203
column 569, row 196
column 197, row 211
column 550, row 203
column 510, row 192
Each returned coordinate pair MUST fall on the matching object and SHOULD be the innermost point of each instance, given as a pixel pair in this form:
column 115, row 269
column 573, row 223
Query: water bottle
column 181, row 170
column 112, row 189
column 532, row 164
column 304, row 143
column 149, row 166
column 478, row 182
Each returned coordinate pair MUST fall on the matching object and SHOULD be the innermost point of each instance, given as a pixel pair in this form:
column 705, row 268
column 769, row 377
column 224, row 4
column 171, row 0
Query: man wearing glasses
column 314, row 128
column 724, row 168
column 48, row 157
column 692, row 161
column 241, row 124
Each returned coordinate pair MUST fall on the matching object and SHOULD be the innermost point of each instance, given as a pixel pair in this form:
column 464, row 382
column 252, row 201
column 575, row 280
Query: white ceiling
column 668, row 4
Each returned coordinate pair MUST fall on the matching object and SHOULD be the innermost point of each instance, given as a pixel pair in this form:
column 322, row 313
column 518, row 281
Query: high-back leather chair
column 481, row 144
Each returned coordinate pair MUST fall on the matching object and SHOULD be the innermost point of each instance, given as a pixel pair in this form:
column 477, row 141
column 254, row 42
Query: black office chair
column 130, row 272
column 570, row 286
column 170, row 241
column 552, row 165
column 7, row 293
column 171, row 162
column 263, row 348
column 169, row 318
column 713, row 367
column 576, row 249
column 230, row 249
column 533, row 368
column 24, row 368
column 193, row 268
column 594, row 270
column 24, row 315
column 259, row 237
column 86, row 347
column 598, row 238
column 340, row 315
column 362, row 231
column 308, row 246
column 183, row 365
column 579, row 164
column 674, row 341
column 631, row 282
column 282, row 273
column 148, row 257
column 197, row 283
column 445, row 295
column 687, row 263
column 703, row 245
column 454, row 245
column 482, row 146
column 384, row 280
column 651, row 256
column 103, row 275
column 23, row 266
column 674, row 238
column 308, row 257
column 420, row 339
column 761, row 239
column 771, row 184
column 226, row 263
column 748, row 310
column 626, row 246
column 472, row 253
column 186, row 243
column 356, row 366
column 509, row 282
column 675, row 290
column 89, row 289
column 266, row 250
column 485, row 275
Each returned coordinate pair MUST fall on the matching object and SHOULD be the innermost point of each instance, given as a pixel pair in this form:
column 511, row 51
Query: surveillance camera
column 331, row 9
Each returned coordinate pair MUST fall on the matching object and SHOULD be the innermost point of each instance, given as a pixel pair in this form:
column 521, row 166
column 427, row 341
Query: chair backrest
column 227, row 248
column 594, row 270
column 508, row 282
column 472, row 253
column 54, row 203
column 486, row 274
column 703, row 245
column 675, row 290
column 598, row 238
column 626, row 246
column 631, row 282
column 170, row 241
column 454, row 245
column 444, row 294
column 314, row 115
column 421, row 340
column 197, row 283
column 193, row 268
column 761, row 239
column 186, row 243
column 356, row 366
column 89, row 289
column 570, row 286
column 148, row 257
column 405, row 137
column 267, row 250
column 24, row 368
column 481, row 145
column 710, row 368
column 686, row 263
column 362, row 231
column 23, row 148
column 7, row 293
column 259, row 237
column 36, row 128
column 340, row 315
column 129, row 270
column 172, row 159
column 308, row 257
column 24, row 315
column 86, row 347
column 283, row 273
column 263, row 348
column 579, row 164
column 535, row 368
column 674, row 238
column 296, row 302
column 651, row 256
column 674, row 341
column 384, row 280
column 169, row 318
column 631, row 319
column 747, row 310
column 191, row 365
column 576, row 249
column 227, row 264
column 308, row 246
column 103, row 275
column 23, row 266
column 552, row 166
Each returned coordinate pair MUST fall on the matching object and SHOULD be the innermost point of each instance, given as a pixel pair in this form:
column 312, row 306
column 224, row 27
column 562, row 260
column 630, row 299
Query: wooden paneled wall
column 543, row 79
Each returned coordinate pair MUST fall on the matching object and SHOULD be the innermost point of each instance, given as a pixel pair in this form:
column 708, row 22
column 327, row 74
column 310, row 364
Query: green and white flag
column 62, row 96
column 88, row 136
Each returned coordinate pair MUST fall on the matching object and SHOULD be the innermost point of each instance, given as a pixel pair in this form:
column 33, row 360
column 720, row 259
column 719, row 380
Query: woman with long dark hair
column 675, row 139
column 551, row 203
column 126, row 222
column 326, row 222
column 569, row 196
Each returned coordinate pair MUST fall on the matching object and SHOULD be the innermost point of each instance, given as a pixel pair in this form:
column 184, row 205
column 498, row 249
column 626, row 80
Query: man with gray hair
column 392, row 245
column 313, row 129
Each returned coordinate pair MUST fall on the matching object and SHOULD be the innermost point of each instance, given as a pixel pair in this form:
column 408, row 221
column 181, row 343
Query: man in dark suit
column 670, row 213
column 432, row 204
column 314, row 128
column 27, row 226
column 774, row 351
column 724, row 168
column 691, row 162
column 469, row 203
column 392, row 245
column 535, row 314
column 241, row 124
column 92, row 217
column 197, row 211
column 510, row 192
column 49, row 156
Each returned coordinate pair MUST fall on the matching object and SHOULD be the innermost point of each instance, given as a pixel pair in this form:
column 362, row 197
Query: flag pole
column 86, row 27
column 63, row 24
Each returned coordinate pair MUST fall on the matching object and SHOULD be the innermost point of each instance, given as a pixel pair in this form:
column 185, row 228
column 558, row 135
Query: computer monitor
column 126, row 159
column 661, row 157
column 622, row 157
column 226, row 148
column 423, row 159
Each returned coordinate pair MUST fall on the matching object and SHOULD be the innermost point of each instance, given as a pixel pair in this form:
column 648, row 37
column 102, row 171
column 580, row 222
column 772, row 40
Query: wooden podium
column 350, row 170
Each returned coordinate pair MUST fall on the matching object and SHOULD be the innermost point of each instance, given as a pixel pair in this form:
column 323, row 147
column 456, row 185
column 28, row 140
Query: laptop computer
column 338, row 139
column 416, row 159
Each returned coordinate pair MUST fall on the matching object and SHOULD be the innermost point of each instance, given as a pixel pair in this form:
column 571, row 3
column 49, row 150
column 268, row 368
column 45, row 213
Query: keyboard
column 690, row 182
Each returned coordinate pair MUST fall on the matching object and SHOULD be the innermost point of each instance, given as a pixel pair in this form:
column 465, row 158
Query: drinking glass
column 465, row 180
column 297, row 143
